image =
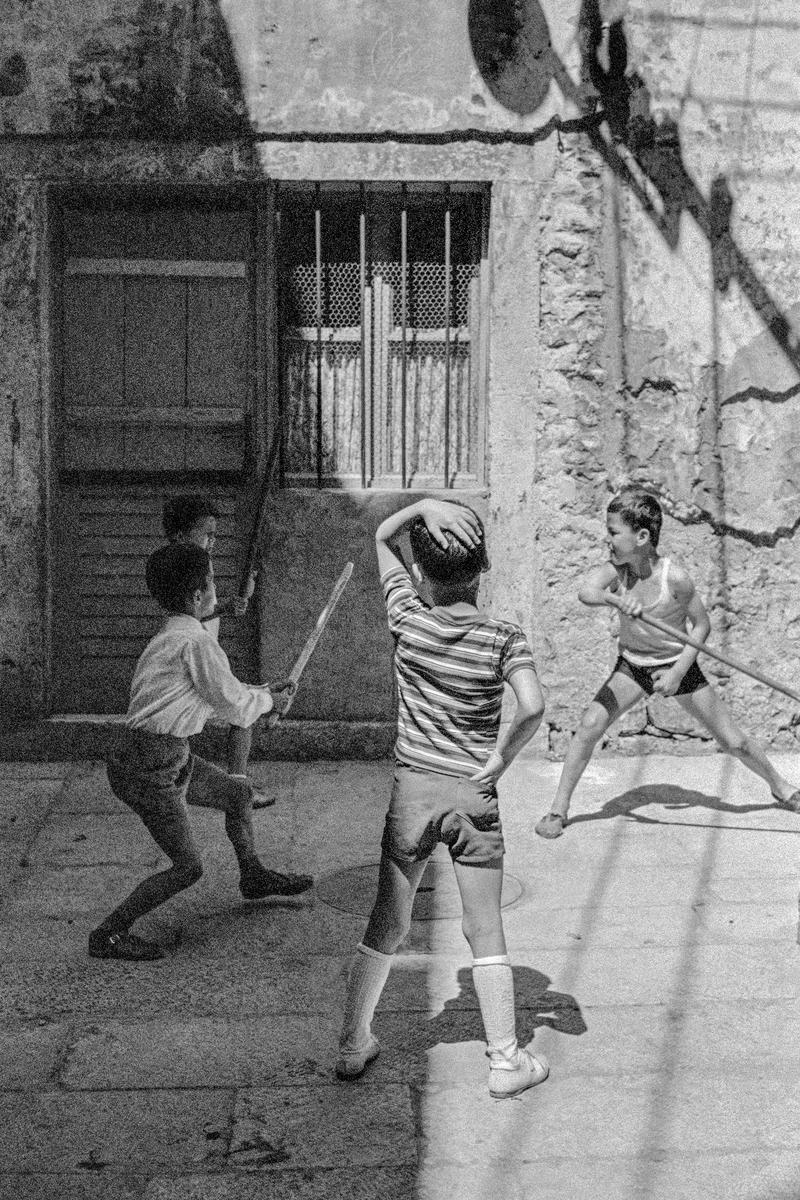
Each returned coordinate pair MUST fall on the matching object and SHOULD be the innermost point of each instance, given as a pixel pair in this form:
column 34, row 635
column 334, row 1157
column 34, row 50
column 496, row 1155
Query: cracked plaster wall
column 630, row 333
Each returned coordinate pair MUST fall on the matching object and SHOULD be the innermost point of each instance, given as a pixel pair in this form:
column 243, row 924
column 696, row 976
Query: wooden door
column 157, row 369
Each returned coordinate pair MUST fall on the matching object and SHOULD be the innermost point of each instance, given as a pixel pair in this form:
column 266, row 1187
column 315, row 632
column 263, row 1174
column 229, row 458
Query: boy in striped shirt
column 451, row 664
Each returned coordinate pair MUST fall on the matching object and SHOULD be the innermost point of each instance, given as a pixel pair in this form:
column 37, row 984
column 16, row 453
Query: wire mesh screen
column 340, row 294
column 380, row 303
column 426, row 292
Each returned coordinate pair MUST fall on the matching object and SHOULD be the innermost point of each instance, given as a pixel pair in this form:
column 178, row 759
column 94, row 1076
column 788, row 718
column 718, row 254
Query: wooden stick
column 679, row 636
column 322, row 621
column 254, row 550
column 313, row 638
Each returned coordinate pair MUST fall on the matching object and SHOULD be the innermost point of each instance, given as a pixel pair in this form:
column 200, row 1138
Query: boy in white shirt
column 194, row 519
column 181, row 679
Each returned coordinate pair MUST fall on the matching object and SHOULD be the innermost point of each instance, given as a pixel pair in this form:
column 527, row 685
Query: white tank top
column 642, row 644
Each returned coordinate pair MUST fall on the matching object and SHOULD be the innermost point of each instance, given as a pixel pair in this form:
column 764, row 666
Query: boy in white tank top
column 635, row 580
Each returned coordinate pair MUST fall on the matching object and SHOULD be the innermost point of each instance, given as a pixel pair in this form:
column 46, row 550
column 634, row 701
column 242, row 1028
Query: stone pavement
column 655, row 961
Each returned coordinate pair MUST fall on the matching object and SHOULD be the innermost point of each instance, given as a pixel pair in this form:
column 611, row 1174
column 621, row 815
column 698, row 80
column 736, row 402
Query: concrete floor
column 656, row 965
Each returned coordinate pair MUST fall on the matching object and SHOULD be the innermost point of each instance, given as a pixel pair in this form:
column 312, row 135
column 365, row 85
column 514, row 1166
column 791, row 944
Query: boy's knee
column 188, row 871
column 592, row 725
column 733, row 741
column 477, row 927
column 386, row 936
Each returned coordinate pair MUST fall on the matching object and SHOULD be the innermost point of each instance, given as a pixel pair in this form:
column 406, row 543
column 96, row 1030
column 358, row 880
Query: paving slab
column 88, row 791
column 24, row 804
column 377, row 1183
column 205, row 1052
column 92, row 839
column 618, row 1116
column 29, row 1055
column 655, row 958
column 44, row 938
column 324, row 1127
column 735, row 1176
column 93, row 1183
column 43, row 770
column 61, row 890
column 182, row 984
column 69, row 1131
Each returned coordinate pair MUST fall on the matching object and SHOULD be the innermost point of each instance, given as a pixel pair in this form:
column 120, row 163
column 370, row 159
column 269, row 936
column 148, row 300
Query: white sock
column 369, row 971
column 494, row 985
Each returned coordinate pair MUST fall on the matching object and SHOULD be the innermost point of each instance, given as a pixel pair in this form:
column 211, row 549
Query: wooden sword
column 313, row 638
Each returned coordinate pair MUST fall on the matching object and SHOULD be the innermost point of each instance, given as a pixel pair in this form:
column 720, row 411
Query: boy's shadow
column 536, row 1005
column 673, row 798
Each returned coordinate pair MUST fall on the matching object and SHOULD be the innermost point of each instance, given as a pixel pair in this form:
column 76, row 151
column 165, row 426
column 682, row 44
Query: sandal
column 551, row 825
column 791, row 805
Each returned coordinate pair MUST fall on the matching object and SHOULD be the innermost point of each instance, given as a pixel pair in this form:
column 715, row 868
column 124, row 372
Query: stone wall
column 22, row 429
column 645, row 248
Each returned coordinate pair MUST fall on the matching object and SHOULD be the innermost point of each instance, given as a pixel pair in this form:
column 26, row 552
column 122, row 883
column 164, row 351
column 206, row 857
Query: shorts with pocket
column 427, row 808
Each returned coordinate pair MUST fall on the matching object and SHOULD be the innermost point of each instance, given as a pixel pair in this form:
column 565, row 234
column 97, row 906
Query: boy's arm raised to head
column 599, row 585
column 440, row 517
column 526, row 720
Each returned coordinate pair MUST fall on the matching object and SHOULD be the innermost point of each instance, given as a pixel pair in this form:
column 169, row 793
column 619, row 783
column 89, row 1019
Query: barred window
column 383, row 356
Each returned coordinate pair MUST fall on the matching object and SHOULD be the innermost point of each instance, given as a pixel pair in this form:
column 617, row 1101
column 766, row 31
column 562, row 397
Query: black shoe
column 261, row 882
column 122, row 945
column 261, row 799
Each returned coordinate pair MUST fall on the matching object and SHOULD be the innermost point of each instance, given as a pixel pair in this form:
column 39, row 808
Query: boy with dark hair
column 451, row 664
column 181, row 679
column 194, row 519
column 637, row 579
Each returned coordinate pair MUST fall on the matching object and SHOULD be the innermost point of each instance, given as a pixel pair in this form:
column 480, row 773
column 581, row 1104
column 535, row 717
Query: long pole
column 680, row 636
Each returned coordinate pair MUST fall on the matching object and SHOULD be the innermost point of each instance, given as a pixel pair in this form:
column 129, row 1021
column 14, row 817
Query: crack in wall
column 756, row 393
column 695, row 514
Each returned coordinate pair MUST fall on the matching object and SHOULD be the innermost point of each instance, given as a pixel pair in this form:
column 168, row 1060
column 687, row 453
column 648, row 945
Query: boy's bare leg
column 389, row 923
column 209, row 787
column 171, row 833
column 708, row 708
column 239, row 745
column 618, row 695
column 481, row 888
column 390, row 919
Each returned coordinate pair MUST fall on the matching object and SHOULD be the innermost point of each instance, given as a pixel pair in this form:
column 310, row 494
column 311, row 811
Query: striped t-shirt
column 450, row 671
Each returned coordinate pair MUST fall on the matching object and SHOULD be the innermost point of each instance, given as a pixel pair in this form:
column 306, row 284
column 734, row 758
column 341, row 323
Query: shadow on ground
column 536, row 1005
column 673, row 799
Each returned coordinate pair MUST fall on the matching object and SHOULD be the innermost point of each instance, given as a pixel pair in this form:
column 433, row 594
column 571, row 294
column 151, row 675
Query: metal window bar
column 281, row 328
column 447, row 338
column 318, row 267
column 362, row 287
column 373, row 432
column 403, row 323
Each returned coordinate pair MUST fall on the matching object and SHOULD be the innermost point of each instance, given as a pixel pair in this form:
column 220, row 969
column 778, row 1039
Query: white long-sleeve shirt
column 183, row 677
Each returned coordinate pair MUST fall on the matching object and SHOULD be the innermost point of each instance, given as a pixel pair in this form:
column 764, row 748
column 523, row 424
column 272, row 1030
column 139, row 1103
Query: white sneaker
column 352, row 1063
column 510, row 1080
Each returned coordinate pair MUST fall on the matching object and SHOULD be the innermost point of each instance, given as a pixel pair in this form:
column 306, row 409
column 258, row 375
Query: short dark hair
column 457, row 564
column 181, row 513
column 640, row 510
column 175, row 572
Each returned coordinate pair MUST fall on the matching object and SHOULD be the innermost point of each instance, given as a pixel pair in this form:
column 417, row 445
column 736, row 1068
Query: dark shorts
column 693, row 680
column 427, row 808
column 157, row 775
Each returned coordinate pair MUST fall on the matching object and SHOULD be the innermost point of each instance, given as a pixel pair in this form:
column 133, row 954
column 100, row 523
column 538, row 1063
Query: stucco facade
column 643, row 300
